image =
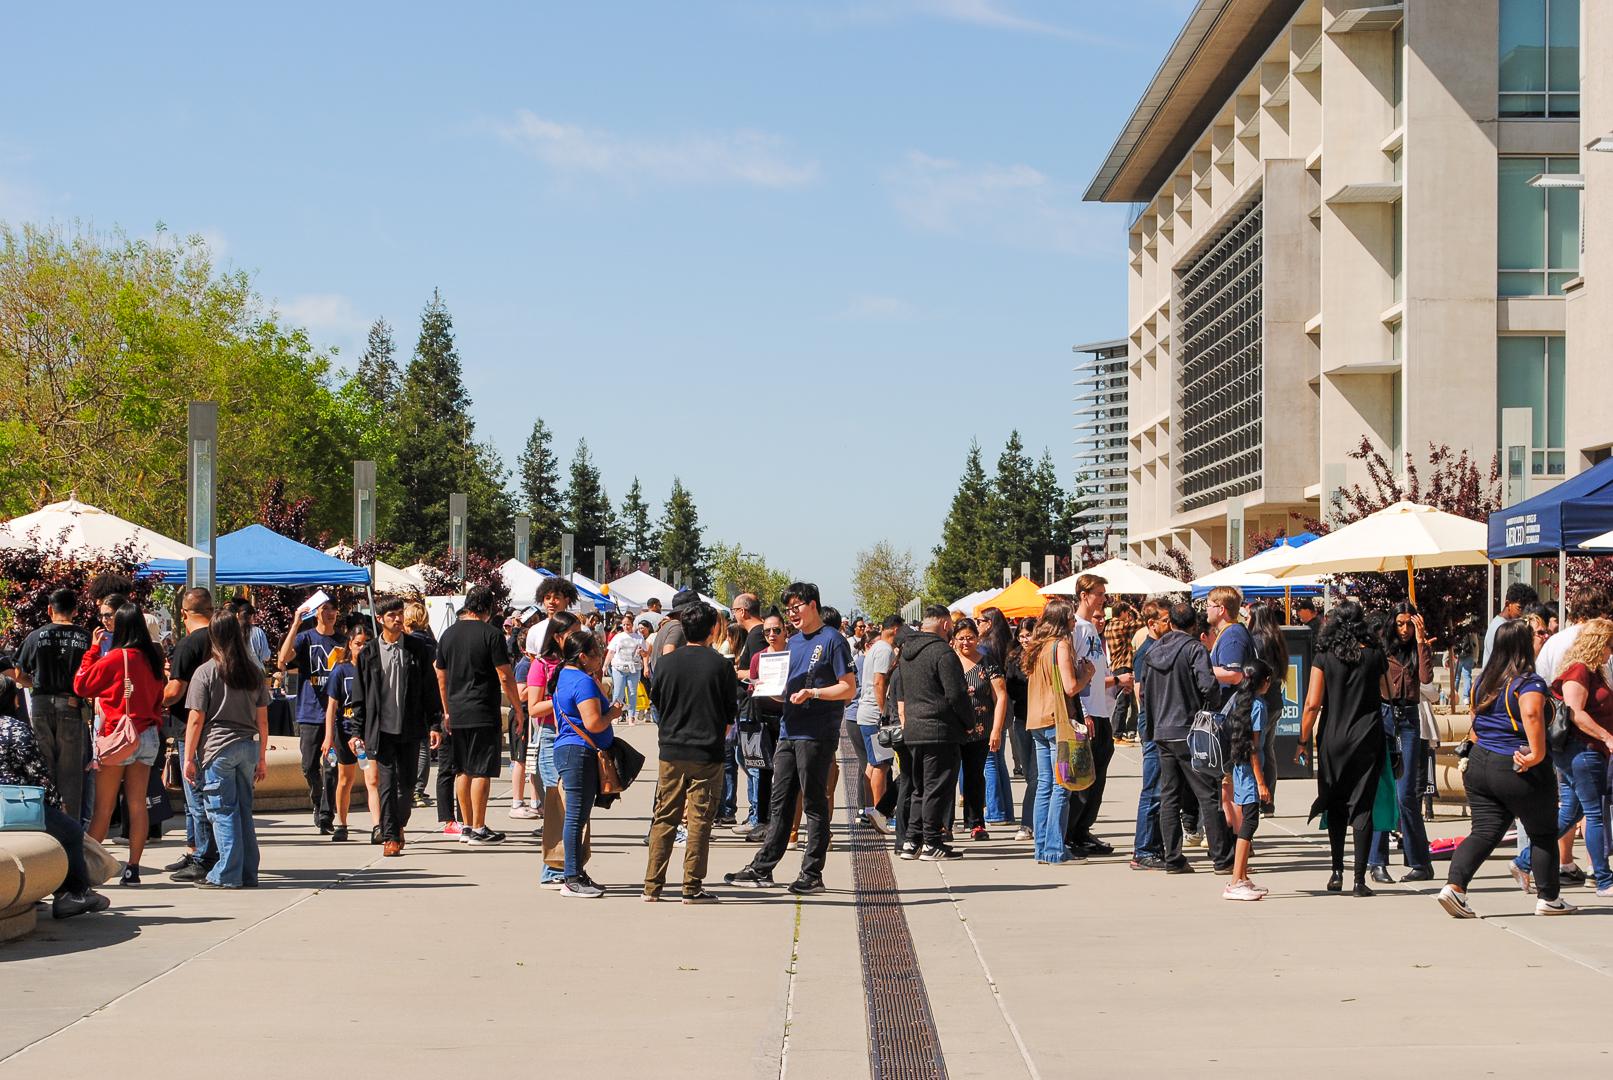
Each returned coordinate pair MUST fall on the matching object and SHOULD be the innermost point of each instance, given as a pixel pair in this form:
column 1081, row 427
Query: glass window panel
column 1556, row 462
column 1538, row 463
column 1399, row 46
column 1521, row 383
column 1523, row 44
column 1556, row 357
column 1565, row 105
column 1562, row 228
column 1562, row 40
column 1556, row 282
column 1563, row 164
column 1516, row 105
column 1398, row 240
column 1514, row 283
column 1522, row 212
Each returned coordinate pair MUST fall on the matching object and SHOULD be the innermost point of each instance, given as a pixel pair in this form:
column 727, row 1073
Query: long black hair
column 1511, row 657
column 129, row 632
column 1240, row 717
column 561, row 622
column 1401, row 649
column 1346, row 633
column 997, row 640
column 1265, row 626
column 579, row 643
column 235, row 665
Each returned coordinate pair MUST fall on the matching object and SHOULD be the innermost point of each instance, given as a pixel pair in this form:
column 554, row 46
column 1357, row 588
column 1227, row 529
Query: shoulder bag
column 1560, row 729
column 1073, row 766
column 117, row 746
column 22, row 808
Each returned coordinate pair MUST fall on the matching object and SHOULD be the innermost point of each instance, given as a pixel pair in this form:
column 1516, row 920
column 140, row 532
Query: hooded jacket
column 1177, row 681
column 932, row 690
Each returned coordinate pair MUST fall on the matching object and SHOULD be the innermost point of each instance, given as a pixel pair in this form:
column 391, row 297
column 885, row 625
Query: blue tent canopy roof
column 257, row 555
column 1561, row 519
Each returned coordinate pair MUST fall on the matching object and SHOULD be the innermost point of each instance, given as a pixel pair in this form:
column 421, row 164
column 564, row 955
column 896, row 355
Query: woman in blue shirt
column 583, row 718
column 1507, row 775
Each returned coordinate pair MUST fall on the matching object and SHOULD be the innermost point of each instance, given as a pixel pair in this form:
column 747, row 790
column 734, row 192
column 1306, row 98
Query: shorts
column 477, row 752
column 519, row 740
column 1251, row 820
column 146, row 752
column 344, row 753
column 877, row 755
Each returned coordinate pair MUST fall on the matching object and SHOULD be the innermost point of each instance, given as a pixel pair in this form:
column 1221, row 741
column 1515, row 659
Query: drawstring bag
column 1073, row 766
column 117, row 746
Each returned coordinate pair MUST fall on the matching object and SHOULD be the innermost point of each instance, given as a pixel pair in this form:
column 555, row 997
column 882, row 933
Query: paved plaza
column 451, row 958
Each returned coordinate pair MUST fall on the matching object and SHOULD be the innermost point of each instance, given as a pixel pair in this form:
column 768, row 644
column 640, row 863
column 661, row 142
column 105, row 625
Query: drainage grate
column 902, row 1041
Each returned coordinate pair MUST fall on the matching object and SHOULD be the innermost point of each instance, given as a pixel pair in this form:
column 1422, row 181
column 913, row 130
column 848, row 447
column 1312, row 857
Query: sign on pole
column 363, row 502
column 523, row 538
column 1025, row 568
column 1008, row 576
column 202, row 496
column 457, row 527
column 599, row 562
column 568, row 557
column 1049, row 568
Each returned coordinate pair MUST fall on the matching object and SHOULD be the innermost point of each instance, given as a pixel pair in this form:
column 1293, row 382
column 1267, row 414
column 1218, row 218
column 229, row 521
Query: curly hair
column 1346, row 633
column 1590, row 647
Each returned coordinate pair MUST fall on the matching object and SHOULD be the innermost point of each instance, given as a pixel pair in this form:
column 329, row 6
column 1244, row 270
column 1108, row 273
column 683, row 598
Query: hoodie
column 1177, row 681
column 933, row 691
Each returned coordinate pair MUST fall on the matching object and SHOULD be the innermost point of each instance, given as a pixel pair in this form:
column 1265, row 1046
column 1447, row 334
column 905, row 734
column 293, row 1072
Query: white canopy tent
column 634, row 591
column 968, row 604
column 1256, row 572
column 385, row 576
column 1123, row 578
column 89, row 530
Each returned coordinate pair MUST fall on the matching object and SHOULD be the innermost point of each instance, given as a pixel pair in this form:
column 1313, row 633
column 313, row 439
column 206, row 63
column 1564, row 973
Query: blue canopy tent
column 1555, row 521
column 257, row 555
column 600, row 601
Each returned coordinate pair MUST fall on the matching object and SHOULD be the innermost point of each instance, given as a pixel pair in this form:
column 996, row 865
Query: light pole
column 363, row 502
column 523, row 538
column 456, row 531
column 202, row 496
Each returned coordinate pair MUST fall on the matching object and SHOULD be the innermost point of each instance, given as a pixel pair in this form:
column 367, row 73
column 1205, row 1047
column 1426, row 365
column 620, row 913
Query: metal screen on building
column 1219, row 346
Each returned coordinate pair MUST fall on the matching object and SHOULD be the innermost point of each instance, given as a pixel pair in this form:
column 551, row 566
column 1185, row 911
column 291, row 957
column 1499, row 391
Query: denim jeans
column 1051, row 798
column 1464, row 679
column 226, row 790
column 550, row 777
column 198, row 832
column 1027, row 765
column 1147, row 841
column 999, row 792
column 578, row 769
column 1582, row 790
column 1409, row 789
column 624, row 691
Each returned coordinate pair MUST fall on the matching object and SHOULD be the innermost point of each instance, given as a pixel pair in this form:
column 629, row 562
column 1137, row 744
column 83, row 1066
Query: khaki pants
column 699, row 787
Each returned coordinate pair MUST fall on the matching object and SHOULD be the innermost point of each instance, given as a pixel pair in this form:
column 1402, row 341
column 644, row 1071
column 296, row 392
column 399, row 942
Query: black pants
column 899, row 792
column 446, row 775
column 1084, row 805
column 929, row 798
column 321, row 780
column 800, row 768
column 1179, row 783
column 1496, row 795
column 1125, row 714
column 1027, row 765
column 972, row 781
column 396, row 759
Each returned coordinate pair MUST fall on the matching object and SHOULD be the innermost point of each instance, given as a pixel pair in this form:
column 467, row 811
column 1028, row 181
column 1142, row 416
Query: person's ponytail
column 579, row 643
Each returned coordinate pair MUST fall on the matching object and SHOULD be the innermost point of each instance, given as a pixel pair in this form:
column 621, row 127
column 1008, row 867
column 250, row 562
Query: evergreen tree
column 541, row 496
column 1061, row 511
column 435, row 432
column 377, row 373
column 588, row 514
column 965, row 560
column 681, row 545
column 636, row 541
column 1017, row 516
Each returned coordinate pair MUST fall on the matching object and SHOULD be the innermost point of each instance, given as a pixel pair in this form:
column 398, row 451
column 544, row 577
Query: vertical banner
column 363, row 502
column 523, row 539
column 1234, row 552
column 1049, row 568
column 457, row 530
column 568, row 554
column 599, row 562
column 202, row 499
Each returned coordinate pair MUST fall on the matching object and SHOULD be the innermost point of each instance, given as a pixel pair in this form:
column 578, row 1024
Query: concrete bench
column 32, row 867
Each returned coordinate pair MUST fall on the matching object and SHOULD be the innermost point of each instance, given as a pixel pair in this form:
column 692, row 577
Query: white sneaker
column 1554, row 907
column 1522, row 877
column 1242, row 890
column 581, row 888
column 1024, row 834
column 524, row 812
column 880, row 822
column 1605, row 891
column 1193, row 840
column 1261, row 889
column 1454, row 901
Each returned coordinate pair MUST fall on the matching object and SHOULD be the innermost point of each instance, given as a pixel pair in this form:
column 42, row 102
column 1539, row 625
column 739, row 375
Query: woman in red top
column 1582, row 768
column 102, row 677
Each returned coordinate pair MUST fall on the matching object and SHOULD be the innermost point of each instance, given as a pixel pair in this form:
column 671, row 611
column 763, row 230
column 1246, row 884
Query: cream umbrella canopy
column 1599, row 543
column 87, row 529
column 1406, row 536
column 1120, row 576
column 1257, row 570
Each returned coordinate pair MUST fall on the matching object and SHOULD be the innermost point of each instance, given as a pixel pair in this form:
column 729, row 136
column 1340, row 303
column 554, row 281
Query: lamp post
column 363, row 502
column 456, row 531
column 202, row 494
column 523, row 538
column 568, row 554
column 599, row 562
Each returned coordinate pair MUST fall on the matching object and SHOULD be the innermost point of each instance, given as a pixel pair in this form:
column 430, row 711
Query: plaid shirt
column 1117, row 635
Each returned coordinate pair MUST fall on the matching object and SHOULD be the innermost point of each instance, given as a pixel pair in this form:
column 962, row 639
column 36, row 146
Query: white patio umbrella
column 1121, row 577
column 1406, row 536
column 1257, row 570
column 1599, row 543
column 89, row 529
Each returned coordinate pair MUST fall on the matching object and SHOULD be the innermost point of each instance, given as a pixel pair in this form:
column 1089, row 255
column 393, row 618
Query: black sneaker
column 1147, row 862
column 749, row 878
column 1182, row 867
column 701, row 897
column 483, row 837
column 130, row 875
column 727, row 819
column 1094, row 846
column 939, row 853
column 339, row 834
column 184, row 861
column 193, row 871
column 806, row 886
column 422, row 799
column 1573, row 875
column 375, row 834
column 908, row 852
column 323, row 824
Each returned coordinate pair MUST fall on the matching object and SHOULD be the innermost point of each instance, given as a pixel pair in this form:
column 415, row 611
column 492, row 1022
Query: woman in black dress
column 1344, row 693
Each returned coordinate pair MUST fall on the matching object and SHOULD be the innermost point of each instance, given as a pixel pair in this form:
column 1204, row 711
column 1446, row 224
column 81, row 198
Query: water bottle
column 363, row 756
column 330, row 758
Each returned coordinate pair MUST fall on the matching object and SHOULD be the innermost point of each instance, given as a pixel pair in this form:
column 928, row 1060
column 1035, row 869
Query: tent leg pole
column 1489, row 592
column 1562, row 583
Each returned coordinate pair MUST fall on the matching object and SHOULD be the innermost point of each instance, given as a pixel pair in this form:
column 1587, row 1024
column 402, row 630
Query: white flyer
column 772, row 674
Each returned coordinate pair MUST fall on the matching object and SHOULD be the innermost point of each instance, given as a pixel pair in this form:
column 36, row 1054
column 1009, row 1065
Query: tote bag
column 1073, row 766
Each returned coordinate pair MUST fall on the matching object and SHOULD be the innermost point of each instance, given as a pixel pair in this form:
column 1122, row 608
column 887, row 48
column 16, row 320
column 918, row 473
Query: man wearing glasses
column 821, row 680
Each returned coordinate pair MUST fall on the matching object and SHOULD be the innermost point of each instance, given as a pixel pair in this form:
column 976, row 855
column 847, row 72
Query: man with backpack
column 1178, row 682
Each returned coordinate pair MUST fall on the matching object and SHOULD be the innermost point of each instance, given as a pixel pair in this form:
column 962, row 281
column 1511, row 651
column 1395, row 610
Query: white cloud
column 331, row 319
column 1016, row 205
column 753, row 158
column 873, row 307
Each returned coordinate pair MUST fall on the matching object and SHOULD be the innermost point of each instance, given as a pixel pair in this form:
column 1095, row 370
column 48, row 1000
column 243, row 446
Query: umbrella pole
column 1411, row 582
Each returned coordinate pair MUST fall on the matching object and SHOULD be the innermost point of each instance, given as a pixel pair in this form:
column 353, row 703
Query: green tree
column 884, row 580
column 636, row 540
column 1018, row 518
column 965, row 560
column 588, row 514
column 377, row 373
column 435, row 431
column 681, row 544
column 735, row 570
column 539, row 472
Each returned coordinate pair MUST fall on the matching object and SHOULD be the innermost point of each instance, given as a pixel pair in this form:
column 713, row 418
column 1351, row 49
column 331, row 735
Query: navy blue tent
column 1558, row 520
column 257, row 555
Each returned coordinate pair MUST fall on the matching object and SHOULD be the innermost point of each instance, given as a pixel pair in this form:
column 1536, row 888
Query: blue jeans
column 198, row 833
column 579, row 779
column 1464, row 679
column 624, row 691
column 1147, row 841
column 226, row 790
column 1050, row 798
column 1582, row 791
column 1409, row 789
column 999, row 792
column 550, row 777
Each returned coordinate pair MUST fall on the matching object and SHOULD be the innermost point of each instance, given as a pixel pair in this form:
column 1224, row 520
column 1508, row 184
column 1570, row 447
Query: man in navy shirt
column 308, row 653
column 1233, row 646
column 821, row 680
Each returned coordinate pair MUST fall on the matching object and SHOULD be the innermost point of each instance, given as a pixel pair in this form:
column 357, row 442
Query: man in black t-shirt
column 49, row 660
column 193, row 650
column 473, row 671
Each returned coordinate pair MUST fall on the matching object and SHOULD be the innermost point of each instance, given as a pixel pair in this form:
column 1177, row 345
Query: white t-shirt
column 626, row 651
column 876, row 661
column 1097, row 699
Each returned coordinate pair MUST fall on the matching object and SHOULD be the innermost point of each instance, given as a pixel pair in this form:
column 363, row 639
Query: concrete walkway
column 452, row 958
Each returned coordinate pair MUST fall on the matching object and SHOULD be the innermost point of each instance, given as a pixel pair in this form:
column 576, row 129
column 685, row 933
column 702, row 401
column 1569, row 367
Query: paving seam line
column 789, row 995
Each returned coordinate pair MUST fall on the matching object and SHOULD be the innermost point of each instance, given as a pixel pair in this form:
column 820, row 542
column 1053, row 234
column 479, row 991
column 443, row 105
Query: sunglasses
column 770, row 633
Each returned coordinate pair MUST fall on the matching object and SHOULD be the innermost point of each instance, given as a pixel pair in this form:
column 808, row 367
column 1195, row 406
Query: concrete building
column 1360, row 221
column 1101, row 441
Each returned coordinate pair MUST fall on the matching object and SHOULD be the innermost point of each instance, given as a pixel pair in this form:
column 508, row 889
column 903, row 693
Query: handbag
column 173, row 770
column 22, row 808
column 99, row 864
column 1560, row 728
column 610, row 778
column 117, row 746
column 1073, row 766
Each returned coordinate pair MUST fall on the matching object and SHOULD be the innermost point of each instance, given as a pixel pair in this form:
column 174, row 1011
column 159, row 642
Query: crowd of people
column 752, row 706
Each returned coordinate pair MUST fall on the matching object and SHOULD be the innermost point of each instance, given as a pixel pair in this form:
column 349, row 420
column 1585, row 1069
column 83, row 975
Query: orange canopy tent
column 1020, row 599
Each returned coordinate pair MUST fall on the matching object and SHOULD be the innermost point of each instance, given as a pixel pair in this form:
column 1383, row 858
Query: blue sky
column 796, row 254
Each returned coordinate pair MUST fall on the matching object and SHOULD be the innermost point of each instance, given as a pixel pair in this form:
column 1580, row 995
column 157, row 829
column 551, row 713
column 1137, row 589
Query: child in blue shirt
column 1247, row 727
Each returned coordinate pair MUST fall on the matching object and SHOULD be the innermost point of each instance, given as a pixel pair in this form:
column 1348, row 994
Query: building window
column 1529, row 375
column 1539, row 58
column 1538, row 228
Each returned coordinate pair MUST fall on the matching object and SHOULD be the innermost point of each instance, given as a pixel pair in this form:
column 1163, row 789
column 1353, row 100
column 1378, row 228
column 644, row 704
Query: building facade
column 1101, row 442
column 1360, row 221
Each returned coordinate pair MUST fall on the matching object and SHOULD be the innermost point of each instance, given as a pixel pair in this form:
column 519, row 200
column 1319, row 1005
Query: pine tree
column 377, row 373
column 965, row 559
column 681, row 544
column 539, row 472
column 1060, row 510
column 588, row 514
column 636, row 541
column 1017, row 518
column 436, row 434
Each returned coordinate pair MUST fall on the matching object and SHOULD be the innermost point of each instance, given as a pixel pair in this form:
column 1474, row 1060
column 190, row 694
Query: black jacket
column 933, row 692
column 696, row 694
column 1177, row 681
column 422, row 700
